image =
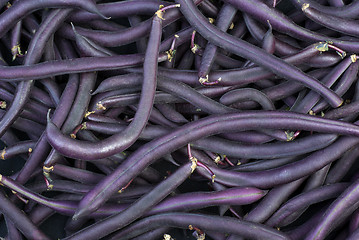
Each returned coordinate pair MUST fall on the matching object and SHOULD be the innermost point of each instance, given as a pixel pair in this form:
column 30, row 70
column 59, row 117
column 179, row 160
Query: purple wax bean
column 293, row 208
column 245, row 94
column 312, row 98
column 282, row 90
column 282, row 23
column 40, row 213
column 9, row 138
column 187, row 202
column 258, row 33
column 15, row 40
column 354, row 235
column 317, row 179
column 252, row 137
column 244, row 76
column 105, row 25
column 343, row 85
column 223, row 21
column 137, row 209
column 16, row 149
column 170, row 113
column 119, row 9
column 265, row 164
column 158, row 118
column 336, row 213
column 12, row 231
column 336, row 3
column 270, row 150
column 89, row 48
column 120, row 81
column 213, row 125
column 300, row 231
column 272, row 177
column 223, row 208
column 342, row 166
column 252, row 53
column 21, row 9
column 186, row 61
column 76, row 174
column 20, row 219
column 141, row 43
column 42, row 147
column 273, row 200
column 204, row 222
column 354, row 222
column 343, row 25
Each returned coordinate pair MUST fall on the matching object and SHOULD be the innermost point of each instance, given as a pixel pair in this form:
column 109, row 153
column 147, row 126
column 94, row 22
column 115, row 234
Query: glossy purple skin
column 282, row 23
column 248, row 230
column 20, row 219
column 187, row 202
column 255, row 54
column 293, row 208
column 336, row 213
column 211, row 125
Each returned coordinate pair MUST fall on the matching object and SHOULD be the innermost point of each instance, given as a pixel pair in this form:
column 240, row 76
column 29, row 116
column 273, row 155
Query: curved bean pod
column 252, row 53
column 205, row 127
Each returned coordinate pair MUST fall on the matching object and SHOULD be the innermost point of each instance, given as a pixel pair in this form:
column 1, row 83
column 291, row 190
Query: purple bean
column 18, row 148
column 42, row 147
column 282, row 23
column 137, row 209
column 20, row 220
column 204, row 222
column 212, row 125
column 337, row 212
column 187, row 202
column 245, row 94
column 347, row 11
column 293, row 208
column 224, row 19
column 342, row 166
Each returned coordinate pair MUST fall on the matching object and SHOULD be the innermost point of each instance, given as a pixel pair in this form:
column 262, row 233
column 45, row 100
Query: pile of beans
column 149, row 119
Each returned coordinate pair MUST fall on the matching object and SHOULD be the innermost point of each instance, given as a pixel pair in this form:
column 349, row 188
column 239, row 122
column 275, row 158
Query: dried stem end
column 194, row 163
column 3, row 154
column 2, row 104
column 353, row 57
column 88, row 113
column 99, row 106
column 305, row 6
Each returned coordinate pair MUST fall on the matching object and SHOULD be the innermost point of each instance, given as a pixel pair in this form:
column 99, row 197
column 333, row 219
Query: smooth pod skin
column 347, row 11
column 282, row 23
column 223, row 21
column 287, row 173
column 42, row 146
column 337, row 212
column 20, row 219
column 345, row 82
column 246, row 94
column 186, row 202
column 126, row 138
column 293, row 208
column 342, row 166
column 20, row 9
column 204, row 222
column 210, row 125
column 136, row 210
column 338, row 24
column 16, row 149
column 306, row 104
column 35, row 51
column 254, row 54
